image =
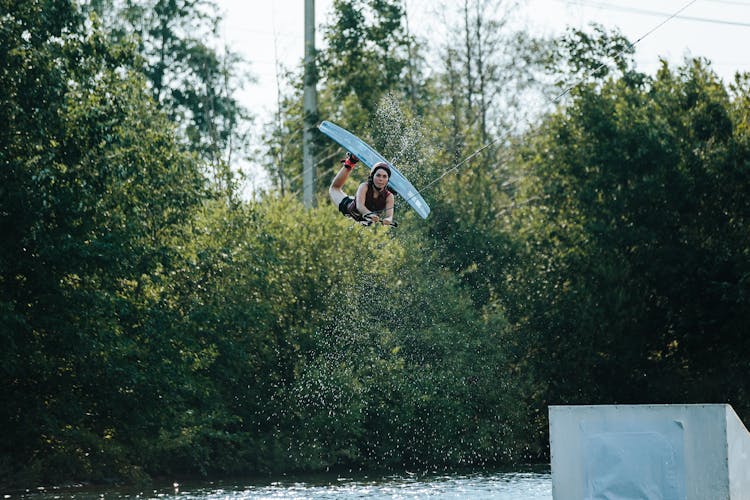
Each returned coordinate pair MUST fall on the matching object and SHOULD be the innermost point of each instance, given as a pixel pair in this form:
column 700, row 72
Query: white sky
column 268, row 32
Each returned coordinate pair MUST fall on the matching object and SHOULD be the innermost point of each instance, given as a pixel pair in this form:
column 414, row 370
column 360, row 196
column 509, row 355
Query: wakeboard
column 397, row 183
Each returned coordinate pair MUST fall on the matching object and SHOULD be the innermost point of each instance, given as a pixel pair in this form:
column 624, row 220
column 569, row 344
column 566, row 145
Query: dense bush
column 152, row 324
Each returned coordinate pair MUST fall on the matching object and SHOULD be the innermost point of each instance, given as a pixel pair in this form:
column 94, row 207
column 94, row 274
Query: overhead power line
column 608, row 6
column 667, row 18
column 731, row 2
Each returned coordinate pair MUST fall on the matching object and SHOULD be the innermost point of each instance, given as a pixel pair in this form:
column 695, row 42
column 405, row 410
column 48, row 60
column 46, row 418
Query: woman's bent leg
column 334, row 191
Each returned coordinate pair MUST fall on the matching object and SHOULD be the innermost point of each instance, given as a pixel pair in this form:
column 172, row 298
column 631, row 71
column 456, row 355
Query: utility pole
column 310, row 108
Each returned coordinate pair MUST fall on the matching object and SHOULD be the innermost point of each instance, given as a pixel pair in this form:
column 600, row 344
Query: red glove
column 350, row 160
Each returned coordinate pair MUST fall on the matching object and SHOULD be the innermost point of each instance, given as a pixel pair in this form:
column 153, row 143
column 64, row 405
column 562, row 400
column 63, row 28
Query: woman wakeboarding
column 373, row 202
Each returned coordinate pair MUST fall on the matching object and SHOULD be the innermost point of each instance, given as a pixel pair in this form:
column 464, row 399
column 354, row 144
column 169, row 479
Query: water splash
column 401, row 137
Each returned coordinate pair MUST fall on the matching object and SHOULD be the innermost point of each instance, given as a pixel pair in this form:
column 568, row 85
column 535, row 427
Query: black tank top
column 371, row 203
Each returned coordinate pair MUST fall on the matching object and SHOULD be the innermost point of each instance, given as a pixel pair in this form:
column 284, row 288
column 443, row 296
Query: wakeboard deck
column 359, row 148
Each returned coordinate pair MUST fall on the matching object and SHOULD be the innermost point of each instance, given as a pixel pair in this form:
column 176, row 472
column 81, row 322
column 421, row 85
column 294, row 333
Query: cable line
column 635, row 10
column 561, row 94
column 567, row 90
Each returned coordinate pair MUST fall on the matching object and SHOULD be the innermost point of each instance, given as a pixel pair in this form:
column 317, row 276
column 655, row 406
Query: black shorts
column 344, row 205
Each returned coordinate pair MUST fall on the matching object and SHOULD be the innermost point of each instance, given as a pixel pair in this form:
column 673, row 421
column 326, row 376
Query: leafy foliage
column 635, row 273
column 150, row 327
column 94, row 188
column 191, row 80
column 366, row 60
column 366, row 38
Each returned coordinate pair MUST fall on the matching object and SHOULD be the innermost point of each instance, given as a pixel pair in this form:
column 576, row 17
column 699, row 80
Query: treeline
column 154, row 323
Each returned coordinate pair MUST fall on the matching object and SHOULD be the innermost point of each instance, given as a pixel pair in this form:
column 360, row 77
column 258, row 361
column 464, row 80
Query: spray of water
column 401, row 138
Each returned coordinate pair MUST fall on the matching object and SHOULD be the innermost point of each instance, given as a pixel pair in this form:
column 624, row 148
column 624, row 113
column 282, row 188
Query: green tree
column 589, row 56
column 634, row 282
column 487, row 69
column 93, row 189
column 194, row 82
column 367, row 55
column 367, row 52
column 397, row 369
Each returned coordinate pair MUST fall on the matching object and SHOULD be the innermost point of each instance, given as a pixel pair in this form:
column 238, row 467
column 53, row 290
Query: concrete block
column 670, row 452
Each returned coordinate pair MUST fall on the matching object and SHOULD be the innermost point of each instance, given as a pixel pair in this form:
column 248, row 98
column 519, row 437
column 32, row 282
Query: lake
column 527, row 485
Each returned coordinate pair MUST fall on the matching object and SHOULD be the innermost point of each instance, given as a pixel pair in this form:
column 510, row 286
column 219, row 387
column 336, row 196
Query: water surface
column 529, row 485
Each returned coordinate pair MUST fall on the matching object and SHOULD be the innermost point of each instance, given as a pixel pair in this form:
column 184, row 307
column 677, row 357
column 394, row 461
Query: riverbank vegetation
column 154, row 321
